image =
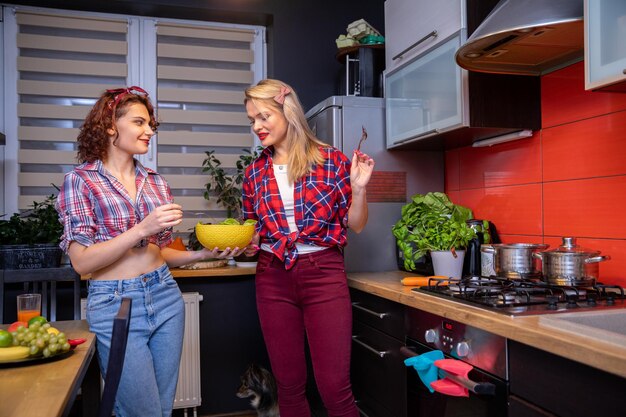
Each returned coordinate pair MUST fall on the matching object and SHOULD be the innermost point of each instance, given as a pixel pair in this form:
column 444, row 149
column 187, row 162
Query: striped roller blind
column 63, row 64
column 201, row 74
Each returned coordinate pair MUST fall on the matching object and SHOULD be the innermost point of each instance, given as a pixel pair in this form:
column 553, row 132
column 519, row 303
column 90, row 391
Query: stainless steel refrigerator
column 338, row 120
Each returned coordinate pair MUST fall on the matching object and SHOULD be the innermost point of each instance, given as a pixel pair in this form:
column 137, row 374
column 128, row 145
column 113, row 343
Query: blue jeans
column 150, row 373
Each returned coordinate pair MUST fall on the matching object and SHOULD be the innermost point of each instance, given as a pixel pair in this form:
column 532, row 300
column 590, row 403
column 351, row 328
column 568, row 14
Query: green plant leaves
column 431, row 222
column 37, row 225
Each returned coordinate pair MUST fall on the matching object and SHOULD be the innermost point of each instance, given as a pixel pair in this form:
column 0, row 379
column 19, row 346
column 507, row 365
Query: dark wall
column 301, row 34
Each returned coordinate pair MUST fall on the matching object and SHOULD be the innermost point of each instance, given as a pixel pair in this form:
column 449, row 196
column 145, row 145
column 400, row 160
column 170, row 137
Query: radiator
column 188, row 388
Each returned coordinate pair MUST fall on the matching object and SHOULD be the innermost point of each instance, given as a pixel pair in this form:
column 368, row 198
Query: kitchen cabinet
column 412, row 26
column 432, row 103
column 544, row 384
column 378, row 372
column 605, row 49
column 230, row 336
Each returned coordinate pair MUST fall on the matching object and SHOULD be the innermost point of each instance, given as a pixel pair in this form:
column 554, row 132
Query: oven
column 485, row 352
column 490, row 356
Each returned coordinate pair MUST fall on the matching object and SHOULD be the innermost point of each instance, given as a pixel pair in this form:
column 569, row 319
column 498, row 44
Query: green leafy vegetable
column 431, row 222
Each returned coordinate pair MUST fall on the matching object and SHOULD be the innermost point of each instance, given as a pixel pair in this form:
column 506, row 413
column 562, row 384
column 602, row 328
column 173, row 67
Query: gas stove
column 525, row 296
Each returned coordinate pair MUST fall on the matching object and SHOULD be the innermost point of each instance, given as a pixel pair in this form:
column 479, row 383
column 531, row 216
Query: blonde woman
column 304, row 195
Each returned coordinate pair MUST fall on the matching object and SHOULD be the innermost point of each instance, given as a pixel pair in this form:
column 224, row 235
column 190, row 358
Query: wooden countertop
column 47, row 388
column 609, row 357
column 213, row 272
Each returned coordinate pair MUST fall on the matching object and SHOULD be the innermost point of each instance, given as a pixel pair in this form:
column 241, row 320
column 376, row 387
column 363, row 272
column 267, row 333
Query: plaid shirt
column 321, row 202
column 94, row 206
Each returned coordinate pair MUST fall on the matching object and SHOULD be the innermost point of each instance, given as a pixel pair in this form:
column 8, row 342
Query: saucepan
column 570, row 265
column 514, row 260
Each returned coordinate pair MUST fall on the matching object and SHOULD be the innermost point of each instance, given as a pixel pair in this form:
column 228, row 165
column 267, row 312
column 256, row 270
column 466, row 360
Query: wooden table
column 48, row 388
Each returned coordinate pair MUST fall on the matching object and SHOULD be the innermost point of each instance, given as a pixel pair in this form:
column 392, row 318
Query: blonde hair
column 302, row 144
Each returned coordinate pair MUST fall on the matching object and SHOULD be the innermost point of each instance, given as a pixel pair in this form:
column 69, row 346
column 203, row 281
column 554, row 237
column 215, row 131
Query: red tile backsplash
column 569, row 179
column 587, row 148
column 591, row 207
column 564, row 99
column 511, row 163
column 512, row 209
column 451, row 177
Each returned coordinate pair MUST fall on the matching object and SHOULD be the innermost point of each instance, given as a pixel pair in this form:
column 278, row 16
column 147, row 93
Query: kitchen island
column 529, row 330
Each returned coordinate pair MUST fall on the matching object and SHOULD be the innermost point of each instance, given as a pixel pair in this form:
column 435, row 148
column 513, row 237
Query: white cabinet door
column 409, row 21
column 605, row 43
column 426, row 96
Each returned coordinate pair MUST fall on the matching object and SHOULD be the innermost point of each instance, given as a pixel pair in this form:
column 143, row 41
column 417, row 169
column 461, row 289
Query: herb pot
column 515, row 260
column 448, row 263
column 570, row 265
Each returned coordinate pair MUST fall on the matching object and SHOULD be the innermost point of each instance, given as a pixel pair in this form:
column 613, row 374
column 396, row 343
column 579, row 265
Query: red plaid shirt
column 321, row 202
column 94, row 206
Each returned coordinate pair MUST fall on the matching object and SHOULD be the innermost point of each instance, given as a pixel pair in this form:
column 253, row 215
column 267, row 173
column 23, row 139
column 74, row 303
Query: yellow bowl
column 224, row 236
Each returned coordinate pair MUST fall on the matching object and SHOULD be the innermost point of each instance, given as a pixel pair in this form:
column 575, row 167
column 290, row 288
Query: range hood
column 526, row 37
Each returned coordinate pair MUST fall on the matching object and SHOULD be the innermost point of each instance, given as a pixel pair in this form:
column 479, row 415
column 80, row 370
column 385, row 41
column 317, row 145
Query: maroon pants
column 311, row 297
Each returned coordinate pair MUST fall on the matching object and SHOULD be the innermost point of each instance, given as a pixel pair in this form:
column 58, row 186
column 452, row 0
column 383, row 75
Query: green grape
column 41, row 343
column 46, row 352
column 34, row 350
column 65, row 347
column 53, row 347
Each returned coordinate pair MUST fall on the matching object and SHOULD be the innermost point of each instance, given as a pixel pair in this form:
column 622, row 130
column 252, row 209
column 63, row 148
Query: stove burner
column 525, row 296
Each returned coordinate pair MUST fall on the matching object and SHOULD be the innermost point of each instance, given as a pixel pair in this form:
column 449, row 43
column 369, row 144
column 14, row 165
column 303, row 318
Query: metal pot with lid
column 514, row 260
column 570, row 264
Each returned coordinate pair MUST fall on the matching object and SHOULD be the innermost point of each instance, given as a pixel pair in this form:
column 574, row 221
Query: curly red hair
column 93, row 139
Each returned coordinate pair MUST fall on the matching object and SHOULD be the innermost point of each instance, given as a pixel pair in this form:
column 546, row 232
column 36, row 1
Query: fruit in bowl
column 228, row 234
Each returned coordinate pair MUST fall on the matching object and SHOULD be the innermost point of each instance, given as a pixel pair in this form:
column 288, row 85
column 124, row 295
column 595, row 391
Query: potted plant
column 226, row 188
column 432, row 224
column 30, row 239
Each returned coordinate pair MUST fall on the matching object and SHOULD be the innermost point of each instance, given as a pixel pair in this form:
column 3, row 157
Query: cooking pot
column 570, row 265
column 515, row 260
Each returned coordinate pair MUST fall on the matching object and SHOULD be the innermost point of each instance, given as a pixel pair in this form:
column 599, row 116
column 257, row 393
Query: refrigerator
column 338, row 120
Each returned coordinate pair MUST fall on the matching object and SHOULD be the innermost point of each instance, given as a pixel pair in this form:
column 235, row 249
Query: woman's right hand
column 167, row 215
column 253, row 246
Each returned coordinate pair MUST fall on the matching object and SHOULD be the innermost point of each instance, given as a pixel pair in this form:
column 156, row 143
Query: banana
column 12, row 353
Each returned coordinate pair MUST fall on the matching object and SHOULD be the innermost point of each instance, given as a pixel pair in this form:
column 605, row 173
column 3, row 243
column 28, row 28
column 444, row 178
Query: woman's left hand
column 361, row 170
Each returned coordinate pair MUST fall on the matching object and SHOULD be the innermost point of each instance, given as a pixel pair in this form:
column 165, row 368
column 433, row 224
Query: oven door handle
column 379, row 353
column 480, row 388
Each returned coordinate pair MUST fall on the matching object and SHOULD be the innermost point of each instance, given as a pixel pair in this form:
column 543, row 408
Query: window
column 57, row 63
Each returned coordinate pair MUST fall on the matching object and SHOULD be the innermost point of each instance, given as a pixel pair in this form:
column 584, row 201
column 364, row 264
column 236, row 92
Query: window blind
column 63, row 64
column 202, row 72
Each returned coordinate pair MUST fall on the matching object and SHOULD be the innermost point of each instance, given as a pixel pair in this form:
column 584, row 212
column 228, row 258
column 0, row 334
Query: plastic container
column 360, row 28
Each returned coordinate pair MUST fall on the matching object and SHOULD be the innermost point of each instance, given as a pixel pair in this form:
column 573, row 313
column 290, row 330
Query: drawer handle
column 361, row 412
column 368, row 311
column 371, row 349
column 430, row 35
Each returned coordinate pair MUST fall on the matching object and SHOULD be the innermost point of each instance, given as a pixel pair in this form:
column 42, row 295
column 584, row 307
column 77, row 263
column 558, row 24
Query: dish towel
column 424, row 364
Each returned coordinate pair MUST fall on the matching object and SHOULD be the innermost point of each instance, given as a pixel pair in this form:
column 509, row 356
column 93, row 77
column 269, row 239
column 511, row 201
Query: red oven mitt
column 447, row 386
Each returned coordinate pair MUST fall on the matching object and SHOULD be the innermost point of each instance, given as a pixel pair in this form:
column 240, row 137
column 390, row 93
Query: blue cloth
column 424, row 364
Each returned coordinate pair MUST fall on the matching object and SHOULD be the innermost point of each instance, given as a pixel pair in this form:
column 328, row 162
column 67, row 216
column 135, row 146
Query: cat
column 258, row 384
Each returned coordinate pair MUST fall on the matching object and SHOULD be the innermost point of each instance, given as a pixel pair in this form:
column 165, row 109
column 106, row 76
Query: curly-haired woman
column 118, row 218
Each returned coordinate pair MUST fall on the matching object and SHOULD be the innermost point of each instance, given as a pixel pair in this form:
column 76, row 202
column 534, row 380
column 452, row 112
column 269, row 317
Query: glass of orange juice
column 28, row 306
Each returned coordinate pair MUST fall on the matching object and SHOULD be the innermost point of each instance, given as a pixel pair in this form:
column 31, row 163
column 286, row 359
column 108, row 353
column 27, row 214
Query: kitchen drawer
column 561, row 386
column 378, row 372
column 384, row 315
